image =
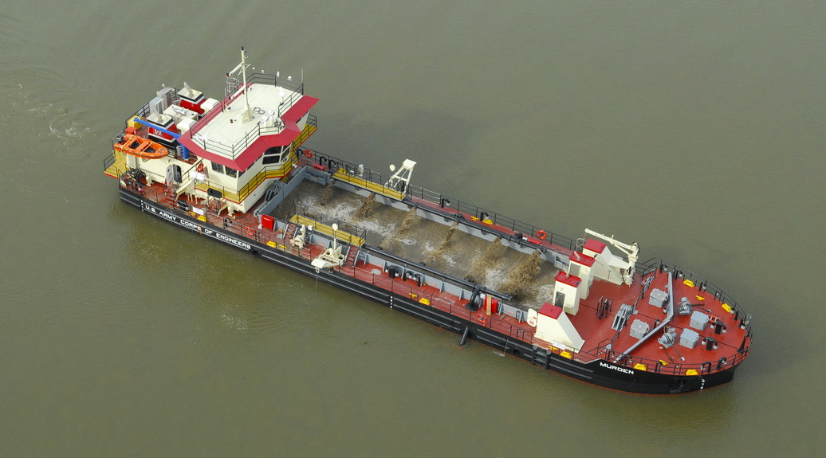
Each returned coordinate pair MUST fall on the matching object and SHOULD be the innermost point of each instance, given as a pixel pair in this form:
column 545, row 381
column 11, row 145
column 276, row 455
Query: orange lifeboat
column 141, row 147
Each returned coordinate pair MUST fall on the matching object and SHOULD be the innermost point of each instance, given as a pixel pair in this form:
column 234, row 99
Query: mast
column 247, row 112
column 232, row 85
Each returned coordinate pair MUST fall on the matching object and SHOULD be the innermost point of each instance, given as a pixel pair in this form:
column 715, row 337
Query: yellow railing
column 342, row 175
column 118, row 166
column 260, row 177
column 309, row 129
column 265, row 174
column 325, row 229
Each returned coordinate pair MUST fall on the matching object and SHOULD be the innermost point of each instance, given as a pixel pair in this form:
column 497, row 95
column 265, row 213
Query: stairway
column 352, row 256
column 292, row 228
column 185, row 186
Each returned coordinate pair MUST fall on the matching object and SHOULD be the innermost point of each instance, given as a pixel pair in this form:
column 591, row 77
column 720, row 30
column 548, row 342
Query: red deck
column 597, row 332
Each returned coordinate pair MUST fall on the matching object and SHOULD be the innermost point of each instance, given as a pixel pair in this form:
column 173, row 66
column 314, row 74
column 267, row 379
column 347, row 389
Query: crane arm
column 632, row 251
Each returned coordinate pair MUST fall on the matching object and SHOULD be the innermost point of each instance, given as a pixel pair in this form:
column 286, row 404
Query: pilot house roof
column 224, row 137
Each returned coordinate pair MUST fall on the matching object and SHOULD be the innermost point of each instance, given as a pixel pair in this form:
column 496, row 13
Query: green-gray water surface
column 693, row 128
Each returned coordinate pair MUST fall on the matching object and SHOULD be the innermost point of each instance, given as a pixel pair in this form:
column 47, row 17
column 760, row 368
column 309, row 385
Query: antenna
column 246, row 116
column 232, row 84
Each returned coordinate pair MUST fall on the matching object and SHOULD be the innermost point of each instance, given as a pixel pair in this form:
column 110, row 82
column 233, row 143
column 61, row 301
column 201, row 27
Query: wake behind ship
column 234, row 170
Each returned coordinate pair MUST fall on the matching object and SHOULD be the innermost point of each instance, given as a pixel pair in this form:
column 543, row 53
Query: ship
column 236, row 170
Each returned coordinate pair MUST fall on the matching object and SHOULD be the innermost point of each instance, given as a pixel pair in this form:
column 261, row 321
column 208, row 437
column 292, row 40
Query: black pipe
column 463, row 341
column 475, row 299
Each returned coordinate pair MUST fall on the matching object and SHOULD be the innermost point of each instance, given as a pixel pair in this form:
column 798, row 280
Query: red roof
column 254, row 151
column 550, row 310
column 583, row 259
column 570, row 280
column 594, row 245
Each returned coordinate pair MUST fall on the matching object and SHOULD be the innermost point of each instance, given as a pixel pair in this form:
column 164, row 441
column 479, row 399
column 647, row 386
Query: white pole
column 247, row 115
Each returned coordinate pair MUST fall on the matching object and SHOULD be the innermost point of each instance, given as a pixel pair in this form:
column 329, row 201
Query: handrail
column 320, row 227
column 234, row 150
column 280, row 171
column 354, row 174
column 440, row 199
column 239, row 195
column 457, row 309
column 702, row 283
column 296, row 87
column 108, row 161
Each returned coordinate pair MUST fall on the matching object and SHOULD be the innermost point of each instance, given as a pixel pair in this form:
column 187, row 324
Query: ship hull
column 598, row 372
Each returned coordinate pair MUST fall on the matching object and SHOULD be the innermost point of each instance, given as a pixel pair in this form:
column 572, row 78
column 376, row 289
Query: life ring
column 200, row 168
column 542, row 234
column 482, row 319
column 308, row 154
column 248, row 231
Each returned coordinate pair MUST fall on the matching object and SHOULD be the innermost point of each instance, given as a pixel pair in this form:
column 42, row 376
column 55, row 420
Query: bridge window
column 216, row 167
column 274, row 155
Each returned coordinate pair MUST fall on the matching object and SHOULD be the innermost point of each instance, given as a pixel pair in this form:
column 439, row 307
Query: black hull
column 600, row 372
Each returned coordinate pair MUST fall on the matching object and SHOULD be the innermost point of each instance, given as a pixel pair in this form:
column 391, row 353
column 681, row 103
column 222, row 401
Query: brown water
column 695, row 129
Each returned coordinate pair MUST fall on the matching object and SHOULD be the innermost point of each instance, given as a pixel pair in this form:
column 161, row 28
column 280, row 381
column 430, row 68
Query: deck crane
column 631, row 251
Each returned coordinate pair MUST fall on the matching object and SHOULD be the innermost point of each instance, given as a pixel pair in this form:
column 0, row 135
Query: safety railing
column 232, row 151
column 359, row 175
column 289, row 103
column 455, row 308
column 265, row 174
column 328, row 229
column 358, row 234
column 277, row 80
column 351, row 173
column 109, row 166
column 268, row 172
column 660, row 366
column 142, row 112
column 494, row 218
column 309, row 129
column 108, row 161
column 451, row 307
column 700, row 283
